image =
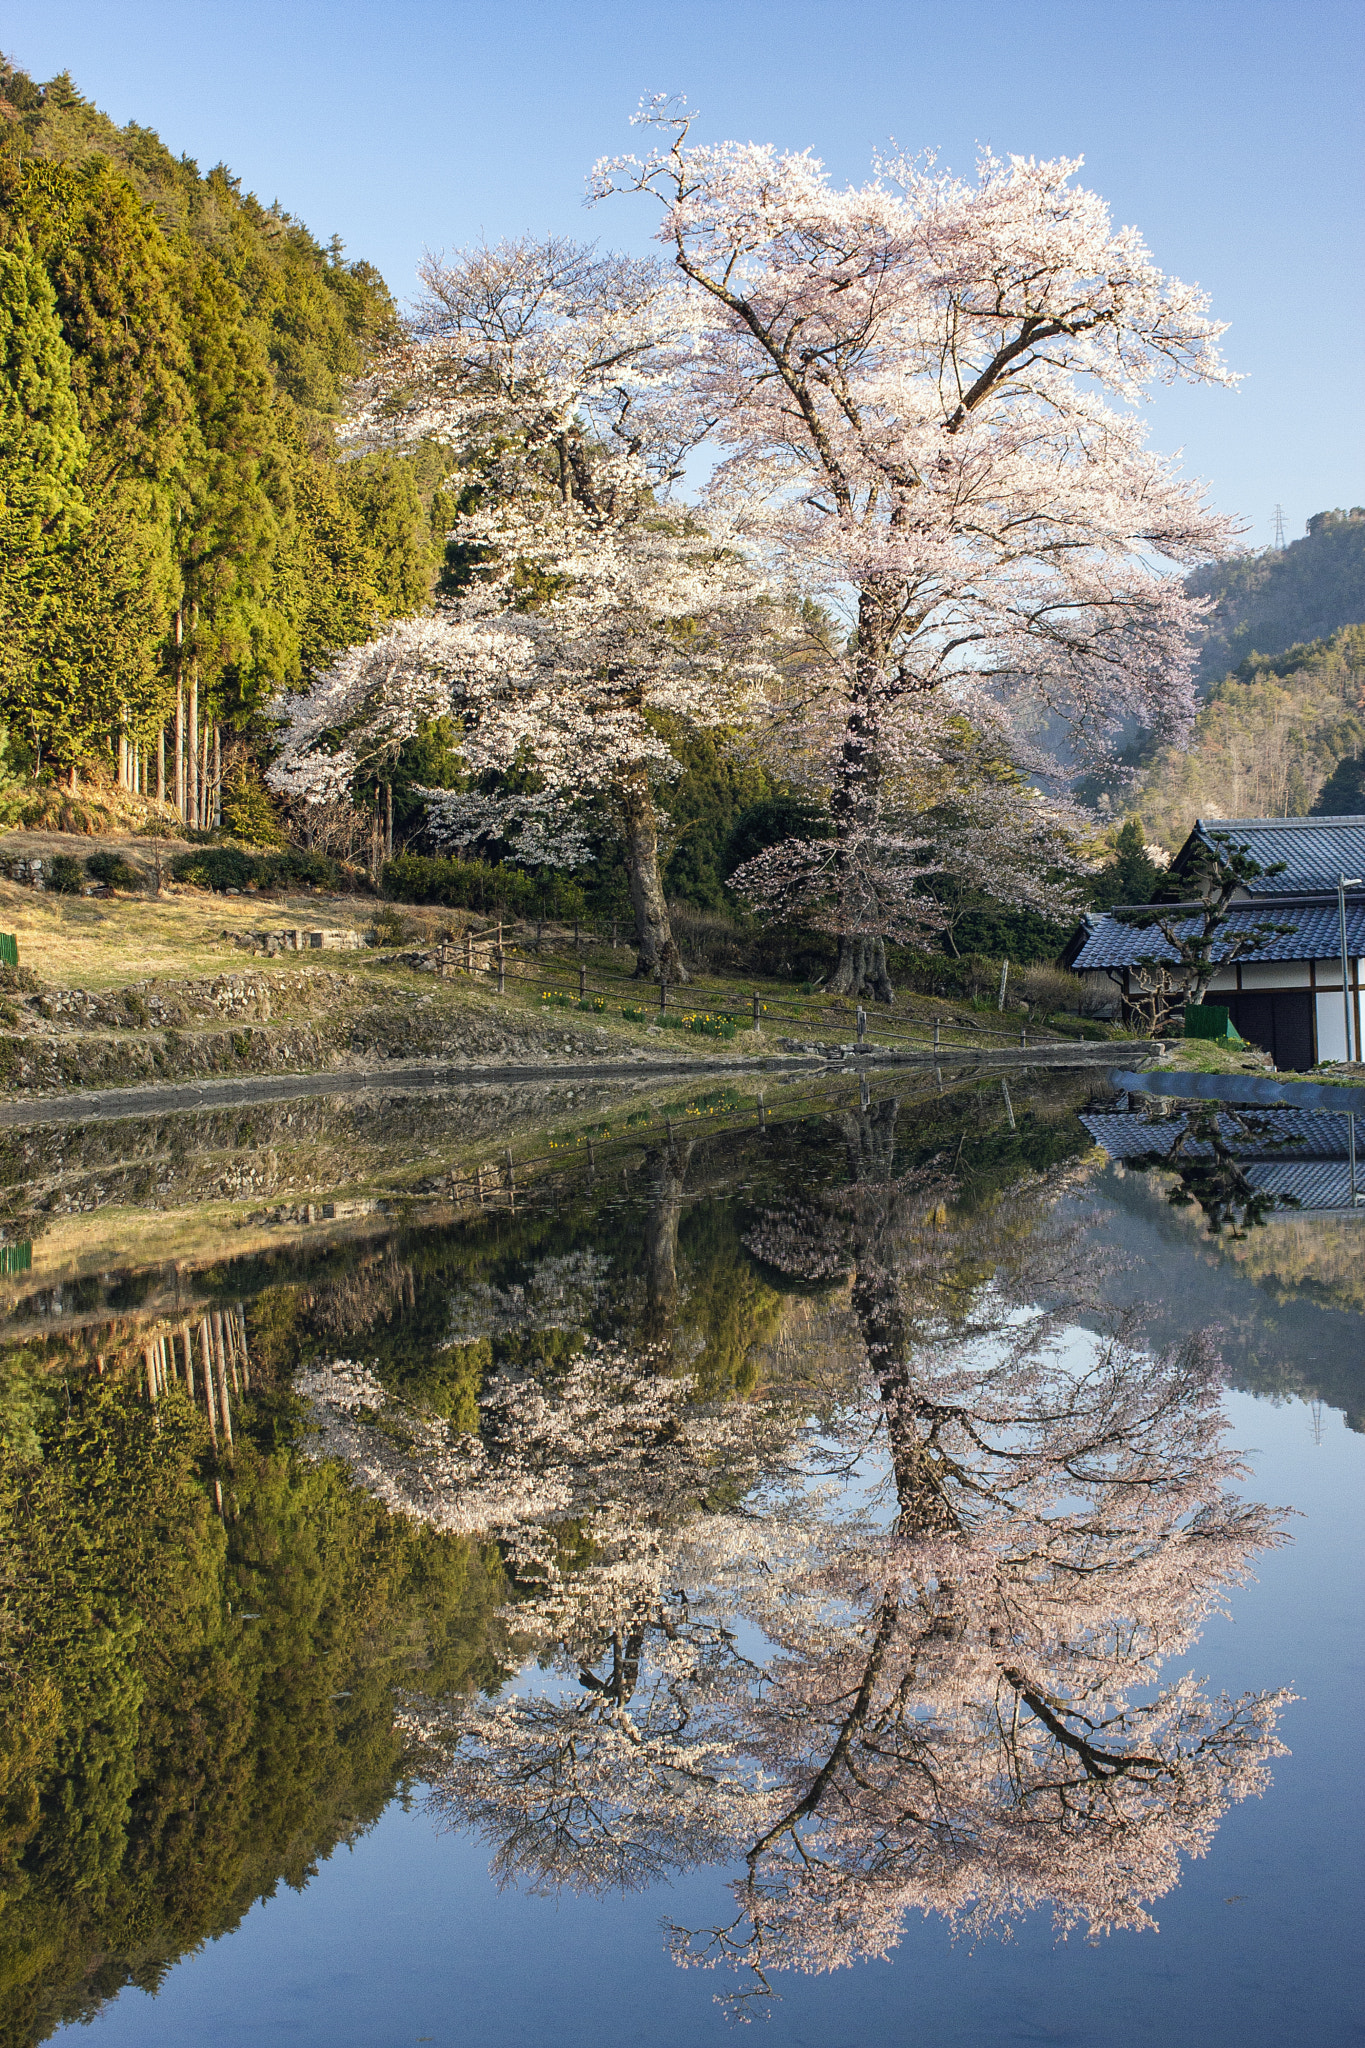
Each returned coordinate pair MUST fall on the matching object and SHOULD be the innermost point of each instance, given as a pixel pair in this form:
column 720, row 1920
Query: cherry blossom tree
column 922, row 389
column 593, row 622
column 917, row 1659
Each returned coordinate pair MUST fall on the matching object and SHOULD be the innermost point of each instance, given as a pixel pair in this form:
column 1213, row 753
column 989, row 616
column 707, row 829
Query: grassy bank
column 122, row 988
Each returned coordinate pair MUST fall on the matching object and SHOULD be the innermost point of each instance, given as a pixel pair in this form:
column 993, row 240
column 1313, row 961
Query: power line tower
column 1279, row 527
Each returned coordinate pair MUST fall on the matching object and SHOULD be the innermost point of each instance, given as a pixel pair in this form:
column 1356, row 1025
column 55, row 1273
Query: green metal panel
column 1210, row 1020
column 9, row 949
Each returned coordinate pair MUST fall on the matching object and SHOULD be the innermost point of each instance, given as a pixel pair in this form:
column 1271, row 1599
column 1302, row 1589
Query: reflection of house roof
column 1315, row 851
column 1314, row 1183
column 1265, row 1134
column 1315, row 935
column 1295, row 1153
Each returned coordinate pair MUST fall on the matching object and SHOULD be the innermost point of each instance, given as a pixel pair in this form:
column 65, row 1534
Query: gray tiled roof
column 1296, row 1153
column 1278, row 1135
column 1315, row 851
column 1314, row 1183
column 1316, row 936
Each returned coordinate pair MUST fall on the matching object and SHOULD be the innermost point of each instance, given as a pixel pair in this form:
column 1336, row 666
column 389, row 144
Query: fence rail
column 486, row 953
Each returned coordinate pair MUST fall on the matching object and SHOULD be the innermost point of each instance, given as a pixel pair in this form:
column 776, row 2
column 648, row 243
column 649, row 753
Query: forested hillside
column 1266, row 603
column 1268, row 742
column 178, row 537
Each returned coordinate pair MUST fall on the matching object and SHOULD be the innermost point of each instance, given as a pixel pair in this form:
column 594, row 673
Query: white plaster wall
column 1276, row 974
column 1331, row 1025
column 1221, row 983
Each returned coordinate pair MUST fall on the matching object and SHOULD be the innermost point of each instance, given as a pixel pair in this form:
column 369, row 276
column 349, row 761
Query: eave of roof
column 1316, row 935
column 1315, row 851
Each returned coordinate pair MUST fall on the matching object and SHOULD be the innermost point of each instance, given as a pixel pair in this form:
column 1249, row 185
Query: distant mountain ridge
column 1268, row 602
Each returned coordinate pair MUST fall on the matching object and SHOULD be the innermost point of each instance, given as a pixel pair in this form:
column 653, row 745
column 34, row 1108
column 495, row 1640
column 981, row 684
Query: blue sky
column 1231, row 134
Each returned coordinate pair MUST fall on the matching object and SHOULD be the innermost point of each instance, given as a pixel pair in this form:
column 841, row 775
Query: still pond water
column 577, row 1566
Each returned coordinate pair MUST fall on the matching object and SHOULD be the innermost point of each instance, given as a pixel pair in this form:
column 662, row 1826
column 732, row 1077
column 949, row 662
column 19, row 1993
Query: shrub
column 634, row 1013
column 460, row 885
column 113, row 870
column 248, row 810
column 231, row 867
column 389, row 929
column 710, row 937
column 217, row 867
column 1048, row 988
column 64, row 876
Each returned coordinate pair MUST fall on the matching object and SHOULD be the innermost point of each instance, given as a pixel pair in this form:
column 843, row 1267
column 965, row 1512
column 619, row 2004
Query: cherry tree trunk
column 658, row 958
column 855, row 803
column 668, row 1172
column 861, row 968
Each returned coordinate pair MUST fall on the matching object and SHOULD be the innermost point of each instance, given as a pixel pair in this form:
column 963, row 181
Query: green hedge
column 114, row 871
column 228, row 867
column 477, row 885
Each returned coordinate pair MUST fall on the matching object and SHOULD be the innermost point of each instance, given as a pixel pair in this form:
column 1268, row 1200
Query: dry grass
column 101, row 942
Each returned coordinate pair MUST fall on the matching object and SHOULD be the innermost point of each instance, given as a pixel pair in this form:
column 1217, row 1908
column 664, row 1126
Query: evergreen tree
column 199, row 536
column 1131, row 876
column 42, row 455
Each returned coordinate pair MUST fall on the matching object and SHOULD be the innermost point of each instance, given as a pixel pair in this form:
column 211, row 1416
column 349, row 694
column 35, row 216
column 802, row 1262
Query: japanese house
column 1282, row 991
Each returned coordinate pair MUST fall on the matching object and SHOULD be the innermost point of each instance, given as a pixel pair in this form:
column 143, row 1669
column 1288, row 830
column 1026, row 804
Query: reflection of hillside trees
column 943, row 1688
column 193, row 1710
column 1285, row 1300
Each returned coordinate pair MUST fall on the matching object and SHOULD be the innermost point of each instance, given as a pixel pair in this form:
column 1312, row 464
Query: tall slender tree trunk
column 179, row 712
column 855, row 804
column 192, row 750
column 658, row 958
column 217, row 774
column 161, row 762
column 388, row 821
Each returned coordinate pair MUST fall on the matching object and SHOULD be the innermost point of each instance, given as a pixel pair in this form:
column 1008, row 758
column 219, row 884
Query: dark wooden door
column 1280, row 1021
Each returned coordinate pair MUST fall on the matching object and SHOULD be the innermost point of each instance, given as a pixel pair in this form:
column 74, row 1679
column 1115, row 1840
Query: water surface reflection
column 789, row 1490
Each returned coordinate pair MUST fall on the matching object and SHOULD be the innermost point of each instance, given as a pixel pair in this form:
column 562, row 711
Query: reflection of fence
column 486, row 952
column 221, row 1367
column 494, row 1184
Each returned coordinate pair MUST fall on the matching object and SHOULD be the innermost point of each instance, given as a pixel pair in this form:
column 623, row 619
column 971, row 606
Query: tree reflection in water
column 893, row 1635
